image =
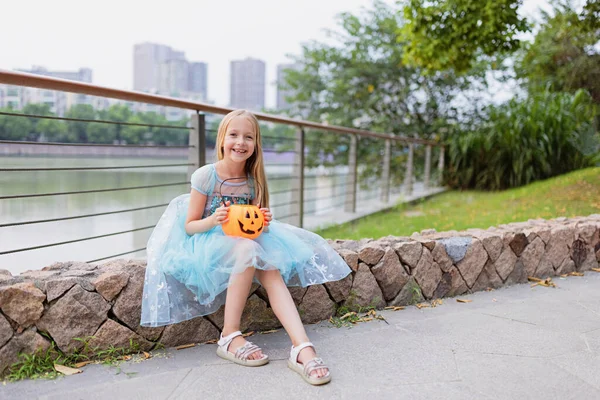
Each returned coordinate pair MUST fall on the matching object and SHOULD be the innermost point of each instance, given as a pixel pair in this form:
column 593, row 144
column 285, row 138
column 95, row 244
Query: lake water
column 329, row 192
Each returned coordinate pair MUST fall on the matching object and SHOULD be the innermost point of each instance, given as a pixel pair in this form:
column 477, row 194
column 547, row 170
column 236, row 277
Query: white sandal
column 242, row 353
column 305, row 370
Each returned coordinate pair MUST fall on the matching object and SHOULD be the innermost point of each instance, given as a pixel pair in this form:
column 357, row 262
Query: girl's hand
column 267, row 214
column 220, row 215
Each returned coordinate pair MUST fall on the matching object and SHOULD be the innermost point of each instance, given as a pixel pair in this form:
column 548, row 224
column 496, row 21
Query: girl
column 194, row 268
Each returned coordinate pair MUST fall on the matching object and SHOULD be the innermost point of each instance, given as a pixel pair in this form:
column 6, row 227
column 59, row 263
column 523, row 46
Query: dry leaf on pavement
column 185, row 346
column 464, row 300
column 395, row 308
column 267, row 332
column 66, row 370
column 83, row 363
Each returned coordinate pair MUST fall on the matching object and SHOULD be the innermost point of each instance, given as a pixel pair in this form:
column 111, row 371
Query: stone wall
column 73, row 300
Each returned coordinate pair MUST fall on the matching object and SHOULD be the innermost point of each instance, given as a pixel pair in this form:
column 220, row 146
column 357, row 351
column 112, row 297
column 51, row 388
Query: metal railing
column 295, row 194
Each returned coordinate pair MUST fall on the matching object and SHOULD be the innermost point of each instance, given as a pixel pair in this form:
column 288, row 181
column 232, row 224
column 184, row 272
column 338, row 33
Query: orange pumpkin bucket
column 244, row 220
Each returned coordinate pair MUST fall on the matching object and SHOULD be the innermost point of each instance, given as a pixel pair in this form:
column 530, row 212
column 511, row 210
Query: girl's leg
column 237, row 294
column 284, row 308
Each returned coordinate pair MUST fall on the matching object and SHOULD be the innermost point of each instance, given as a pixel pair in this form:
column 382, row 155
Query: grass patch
column 569, row 195
column 41, row 364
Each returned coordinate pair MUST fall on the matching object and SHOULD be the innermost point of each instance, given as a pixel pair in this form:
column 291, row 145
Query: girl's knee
column 269, row 278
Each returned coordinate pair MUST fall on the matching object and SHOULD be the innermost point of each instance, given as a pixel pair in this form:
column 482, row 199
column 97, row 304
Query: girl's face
column 239, row 141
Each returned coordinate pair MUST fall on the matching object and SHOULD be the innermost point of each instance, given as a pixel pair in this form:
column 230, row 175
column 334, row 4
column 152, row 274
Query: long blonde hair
column 255, row 167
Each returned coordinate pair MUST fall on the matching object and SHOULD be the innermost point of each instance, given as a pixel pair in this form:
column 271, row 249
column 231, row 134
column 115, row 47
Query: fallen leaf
column 576, row 274
column 395, row 308
column 248, row 334
column 422, row 305
column 596, row 269
column 126, row 358
column 366, row 319
column 185, row 346
column 212, row 341
column 83, row 364
column 351, row 313
column 533, row 279
column 146, row 355
column 267, row 332
column 437, row 302
column 66, row 370
column 464, row 300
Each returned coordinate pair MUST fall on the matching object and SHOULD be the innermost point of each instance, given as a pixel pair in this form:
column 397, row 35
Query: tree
column 78, row 131
column 362, row 81
column 13, row 127
column 452, row 34
column 564, row 55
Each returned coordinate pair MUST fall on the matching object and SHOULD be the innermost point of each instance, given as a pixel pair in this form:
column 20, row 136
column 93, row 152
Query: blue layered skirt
column 187, row 276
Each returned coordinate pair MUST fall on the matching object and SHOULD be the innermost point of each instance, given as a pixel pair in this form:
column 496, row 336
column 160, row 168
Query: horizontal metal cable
column 283, row 191
column 278, row 178
column 327, row 187
column 278, row 138
column 116, row 255
column 19, row 196
column 278, row 151
column 80, row 216
column 93, row 168
column 93, row 144
column 325, row 198
column 101, row 121
column 285, row 204
column 288, row 216
column 74, row 241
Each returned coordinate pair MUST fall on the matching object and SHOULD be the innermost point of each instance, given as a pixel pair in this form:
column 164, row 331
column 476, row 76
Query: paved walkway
column 511, row 343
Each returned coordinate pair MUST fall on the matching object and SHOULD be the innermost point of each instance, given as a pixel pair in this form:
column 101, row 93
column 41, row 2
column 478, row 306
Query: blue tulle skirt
column 187, row 276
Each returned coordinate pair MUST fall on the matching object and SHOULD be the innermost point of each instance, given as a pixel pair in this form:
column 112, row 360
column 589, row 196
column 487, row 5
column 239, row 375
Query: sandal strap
column 296, row 350
column 224, row 341
column 314, row 364
column 244, row 351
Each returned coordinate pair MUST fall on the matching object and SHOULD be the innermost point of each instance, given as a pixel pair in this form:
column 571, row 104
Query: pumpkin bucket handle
column 230, row 179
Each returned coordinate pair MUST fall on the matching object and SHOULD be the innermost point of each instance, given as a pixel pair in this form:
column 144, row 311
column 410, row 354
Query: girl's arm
column 194, row 222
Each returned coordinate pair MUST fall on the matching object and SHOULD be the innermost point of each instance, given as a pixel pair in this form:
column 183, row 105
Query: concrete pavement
column 511, row 343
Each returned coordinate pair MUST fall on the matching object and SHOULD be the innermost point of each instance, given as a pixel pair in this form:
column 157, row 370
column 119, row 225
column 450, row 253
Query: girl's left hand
column 267, row 214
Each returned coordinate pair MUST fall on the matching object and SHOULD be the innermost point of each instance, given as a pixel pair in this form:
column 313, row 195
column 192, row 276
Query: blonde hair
column 255, row 167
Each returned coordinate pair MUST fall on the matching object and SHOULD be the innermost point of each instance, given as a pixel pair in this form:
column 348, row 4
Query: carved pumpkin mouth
column 249, row 231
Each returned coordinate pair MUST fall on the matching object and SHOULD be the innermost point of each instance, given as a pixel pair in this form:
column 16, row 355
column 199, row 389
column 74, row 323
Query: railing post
column 408, row 181
column 385, row 173
column 298, row 173
column 352, row 179
column 441, row 165
column 427, row 166
column 197, row 143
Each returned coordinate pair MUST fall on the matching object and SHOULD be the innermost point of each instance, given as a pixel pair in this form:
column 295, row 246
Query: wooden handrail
column 45, row 82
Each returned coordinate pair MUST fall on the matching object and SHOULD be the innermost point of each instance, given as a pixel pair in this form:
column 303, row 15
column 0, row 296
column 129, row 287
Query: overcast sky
column 69, row 34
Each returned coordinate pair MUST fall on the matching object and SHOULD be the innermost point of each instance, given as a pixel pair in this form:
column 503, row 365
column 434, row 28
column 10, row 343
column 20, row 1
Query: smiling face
column 239, row 140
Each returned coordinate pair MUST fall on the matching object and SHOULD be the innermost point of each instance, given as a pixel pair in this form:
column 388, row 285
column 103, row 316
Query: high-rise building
column 282, row 93
column 147, row 65
column 59, row 102
column 248, row 84
column 198, row 79
column 81, row 75
column 173, row 77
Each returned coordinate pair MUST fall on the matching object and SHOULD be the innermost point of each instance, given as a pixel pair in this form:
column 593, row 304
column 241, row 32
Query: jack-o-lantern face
column 245, row 220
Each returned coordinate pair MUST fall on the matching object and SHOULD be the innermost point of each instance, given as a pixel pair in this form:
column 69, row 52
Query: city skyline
column 212, row 32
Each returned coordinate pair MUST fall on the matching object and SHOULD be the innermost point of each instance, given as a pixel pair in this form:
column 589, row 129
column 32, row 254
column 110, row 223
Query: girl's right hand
column 220, row 215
